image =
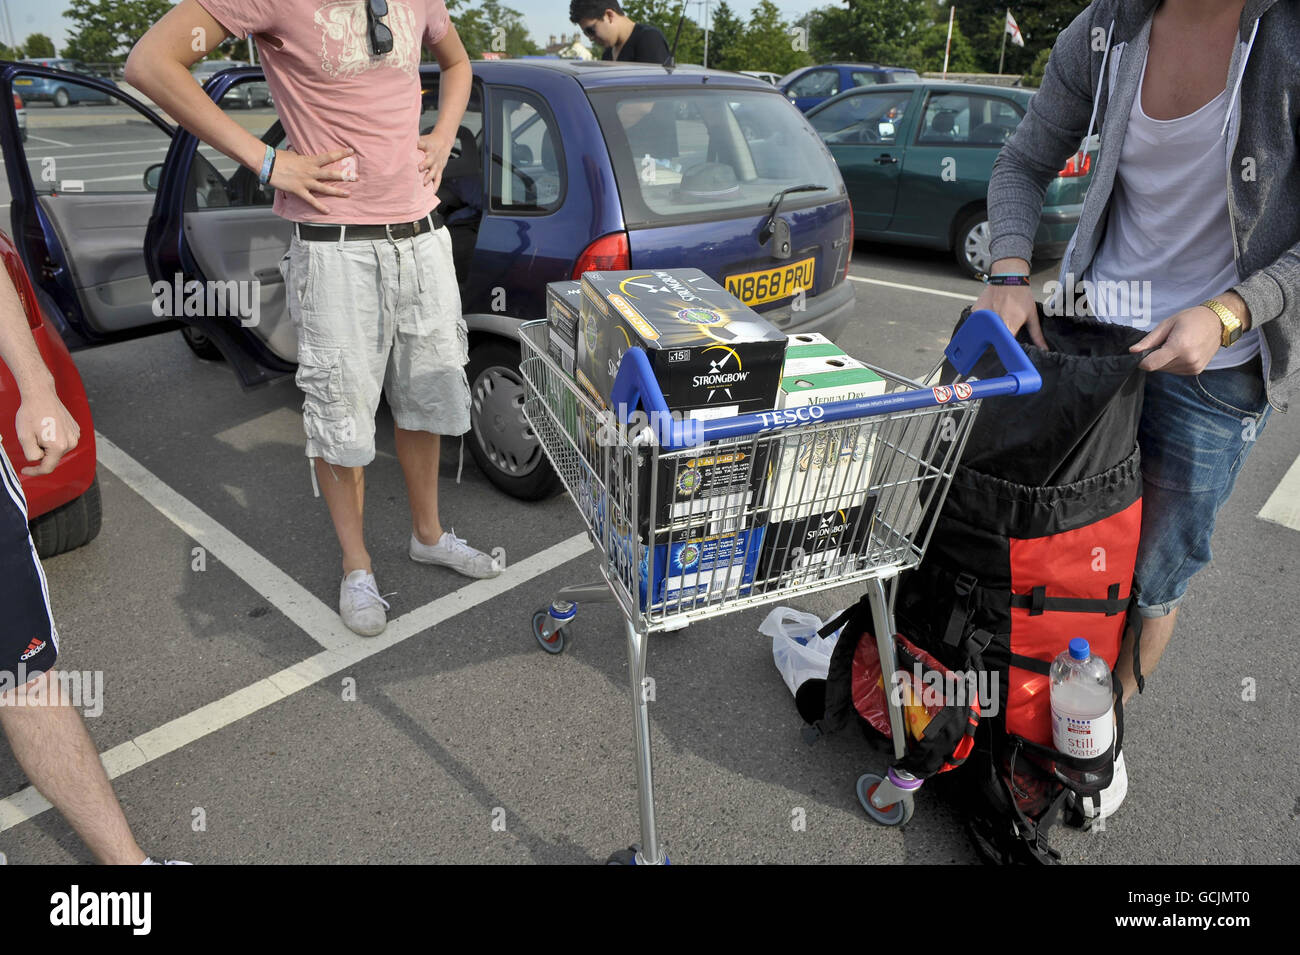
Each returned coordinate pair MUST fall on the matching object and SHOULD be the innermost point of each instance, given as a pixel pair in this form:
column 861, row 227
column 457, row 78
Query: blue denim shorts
column 1195, row 434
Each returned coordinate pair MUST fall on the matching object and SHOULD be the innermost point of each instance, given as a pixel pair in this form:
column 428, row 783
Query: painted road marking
column 291, row 598
column 1283, row 505
column 914, row 288
column 27, row 803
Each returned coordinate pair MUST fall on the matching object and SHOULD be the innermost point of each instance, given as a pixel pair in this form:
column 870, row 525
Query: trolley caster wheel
column 897, row 814
column 628, row 857
column 555, row 644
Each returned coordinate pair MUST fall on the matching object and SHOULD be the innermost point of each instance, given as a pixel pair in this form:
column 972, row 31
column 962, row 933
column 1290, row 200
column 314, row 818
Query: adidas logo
column 33, row 648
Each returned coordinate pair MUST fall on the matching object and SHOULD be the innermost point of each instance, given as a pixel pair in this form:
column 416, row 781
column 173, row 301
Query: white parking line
column 52, row 142
column 284, row 593
column 171, row 736
column 913, row 288
column 1283, row 505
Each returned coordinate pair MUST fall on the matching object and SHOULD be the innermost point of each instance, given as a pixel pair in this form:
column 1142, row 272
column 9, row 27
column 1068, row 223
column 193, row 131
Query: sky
column 543, row 17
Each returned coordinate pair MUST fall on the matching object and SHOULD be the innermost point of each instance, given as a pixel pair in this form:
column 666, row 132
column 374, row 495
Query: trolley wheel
column 556, row 642
column 894, row 815
column 628, row 857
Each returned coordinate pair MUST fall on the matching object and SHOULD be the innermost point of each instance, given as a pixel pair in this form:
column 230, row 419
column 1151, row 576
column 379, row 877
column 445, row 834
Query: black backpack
column 1035, row 544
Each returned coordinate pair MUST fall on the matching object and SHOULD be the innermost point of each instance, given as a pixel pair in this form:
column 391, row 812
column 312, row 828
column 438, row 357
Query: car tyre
column 70, row 526
column 971, row 244
column 500, row 439
column 61, row 98
column 201, row 344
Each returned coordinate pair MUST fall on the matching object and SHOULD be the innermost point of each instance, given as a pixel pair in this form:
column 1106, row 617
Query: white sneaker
column 452, row 551
column 360, row 605
column 149, row 861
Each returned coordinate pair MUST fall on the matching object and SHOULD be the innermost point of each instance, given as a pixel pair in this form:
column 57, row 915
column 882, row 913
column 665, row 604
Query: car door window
column 865, row 78
column 527, row 169
column 216, row 180
column 867, row 119
column 966, row 119
column 816, row 83
column 94, row 142
column 460, row 192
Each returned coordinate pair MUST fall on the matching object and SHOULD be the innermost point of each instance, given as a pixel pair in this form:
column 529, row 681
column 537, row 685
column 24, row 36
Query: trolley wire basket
column 693, row 519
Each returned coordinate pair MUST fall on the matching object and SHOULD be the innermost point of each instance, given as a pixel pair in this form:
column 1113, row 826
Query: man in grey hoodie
column 1193, row 211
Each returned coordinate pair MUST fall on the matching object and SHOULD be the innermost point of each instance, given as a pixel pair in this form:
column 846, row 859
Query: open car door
column 216, row 245
column 78, row 202
column 214, row 226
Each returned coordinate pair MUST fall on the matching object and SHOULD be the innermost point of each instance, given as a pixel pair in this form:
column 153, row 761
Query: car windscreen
column 692, row 154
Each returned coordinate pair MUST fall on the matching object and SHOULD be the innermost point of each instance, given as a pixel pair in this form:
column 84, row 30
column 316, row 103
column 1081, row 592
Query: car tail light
column 609, row 253
column 18, row 101
column 1073, row 168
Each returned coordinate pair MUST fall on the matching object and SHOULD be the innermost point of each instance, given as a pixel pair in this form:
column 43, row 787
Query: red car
column 62, row 506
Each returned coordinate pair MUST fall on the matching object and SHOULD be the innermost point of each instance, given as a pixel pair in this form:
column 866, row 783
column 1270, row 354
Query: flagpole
column 1003, row 57
column 952, row 12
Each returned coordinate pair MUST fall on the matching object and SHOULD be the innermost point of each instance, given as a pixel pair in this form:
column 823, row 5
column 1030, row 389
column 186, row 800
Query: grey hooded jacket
column 1093, row 74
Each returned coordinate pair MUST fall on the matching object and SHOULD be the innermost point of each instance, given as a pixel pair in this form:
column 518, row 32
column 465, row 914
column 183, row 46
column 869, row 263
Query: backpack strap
column 1037, row 602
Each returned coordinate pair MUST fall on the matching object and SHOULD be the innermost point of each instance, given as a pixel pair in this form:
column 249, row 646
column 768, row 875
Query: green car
column 916, row 159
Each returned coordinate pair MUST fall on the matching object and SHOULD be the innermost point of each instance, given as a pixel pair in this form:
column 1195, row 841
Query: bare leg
column 419, row 453
column 344, row 490
column 55, row 751
column 1156, row 633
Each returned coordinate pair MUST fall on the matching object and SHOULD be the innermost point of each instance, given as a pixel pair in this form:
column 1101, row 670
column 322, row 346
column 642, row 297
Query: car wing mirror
column 152, row 176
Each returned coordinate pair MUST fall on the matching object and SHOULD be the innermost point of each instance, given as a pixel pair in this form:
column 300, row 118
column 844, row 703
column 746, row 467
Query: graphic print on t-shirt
column 345, row 38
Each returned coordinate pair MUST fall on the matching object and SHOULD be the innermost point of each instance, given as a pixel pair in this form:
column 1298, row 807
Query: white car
column 762, row 75
column 21, row 112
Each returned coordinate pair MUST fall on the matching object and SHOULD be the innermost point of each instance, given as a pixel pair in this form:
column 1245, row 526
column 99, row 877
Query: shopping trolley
column 696, row 518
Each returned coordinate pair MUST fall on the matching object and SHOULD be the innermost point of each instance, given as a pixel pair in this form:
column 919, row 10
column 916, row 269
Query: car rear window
column 688, row 154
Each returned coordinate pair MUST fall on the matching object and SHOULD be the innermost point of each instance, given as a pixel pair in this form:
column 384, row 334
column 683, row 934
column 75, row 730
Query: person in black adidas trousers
column 45, row 732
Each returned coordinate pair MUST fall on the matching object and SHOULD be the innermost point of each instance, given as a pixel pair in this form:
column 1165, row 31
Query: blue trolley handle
column 636, row 382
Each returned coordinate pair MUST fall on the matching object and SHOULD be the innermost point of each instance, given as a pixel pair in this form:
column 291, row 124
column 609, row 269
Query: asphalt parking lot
column 243, row 724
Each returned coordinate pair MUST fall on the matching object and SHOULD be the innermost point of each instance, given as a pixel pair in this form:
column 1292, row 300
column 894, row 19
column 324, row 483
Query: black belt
column 402, row 230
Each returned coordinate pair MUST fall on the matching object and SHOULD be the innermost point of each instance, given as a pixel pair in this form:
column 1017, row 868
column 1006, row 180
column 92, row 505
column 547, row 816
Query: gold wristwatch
column 1231, row 323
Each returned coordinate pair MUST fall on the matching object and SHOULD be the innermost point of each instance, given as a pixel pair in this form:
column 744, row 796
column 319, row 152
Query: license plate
column 770, row 285
column 22, row 82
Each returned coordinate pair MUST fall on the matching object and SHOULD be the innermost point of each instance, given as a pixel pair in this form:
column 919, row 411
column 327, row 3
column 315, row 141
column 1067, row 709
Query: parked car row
column 559, row 167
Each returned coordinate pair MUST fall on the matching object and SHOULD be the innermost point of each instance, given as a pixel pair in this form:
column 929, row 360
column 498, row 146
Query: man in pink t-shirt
column 370, row 284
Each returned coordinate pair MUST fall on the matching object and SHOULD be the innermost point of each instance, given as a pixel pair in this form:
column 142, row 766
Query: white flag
column 1014, row 30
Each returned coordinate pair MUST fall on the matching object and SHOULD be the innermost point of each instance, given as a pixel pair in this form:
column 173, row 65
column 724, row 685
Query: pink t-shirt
column 330, row 93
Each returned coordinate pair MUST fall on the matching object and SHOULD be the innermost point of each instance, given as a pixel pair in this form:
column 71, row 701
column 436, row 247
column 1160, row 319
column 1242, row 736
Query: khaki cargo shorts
column 371, row 315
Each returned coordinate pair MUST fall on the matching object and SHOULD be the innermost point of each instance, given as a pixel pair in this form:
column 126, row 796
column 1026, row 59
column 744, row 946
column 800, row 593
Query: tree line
column 907, row 33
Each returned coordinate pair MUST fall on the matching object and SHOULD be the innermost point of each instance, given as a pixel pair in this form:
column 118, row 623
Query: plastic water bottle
column 1083, row 714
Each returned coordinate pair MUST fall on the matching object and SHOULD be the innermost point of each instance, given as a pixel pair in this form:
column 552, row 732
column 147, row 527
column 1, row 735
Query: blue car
column 59, row 90
column 559, row 167
column 811, row 85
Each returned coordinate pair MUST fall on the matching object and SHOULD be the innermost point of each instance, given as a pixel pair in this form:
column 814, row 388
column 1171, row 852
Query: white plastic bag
column 800, row 654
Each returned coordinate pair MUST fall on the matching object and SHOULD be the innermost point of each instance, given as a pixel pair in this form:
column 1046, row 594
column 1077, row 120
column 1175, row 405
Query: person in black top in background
column 604, row 22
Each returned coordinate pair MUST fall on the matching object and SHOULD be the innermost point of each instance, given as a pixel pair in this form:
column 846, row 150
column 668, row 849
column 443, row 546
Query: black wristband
column 1007, row 280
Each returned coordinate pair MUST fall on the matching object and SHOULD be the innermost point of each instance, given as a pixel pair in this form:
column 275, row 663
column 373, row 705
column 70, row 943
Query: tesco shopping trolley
column 693, row 519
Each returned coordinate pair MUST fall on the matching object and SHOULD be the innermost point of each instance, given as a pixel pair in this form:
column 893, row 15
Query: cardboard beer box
column 816, row 545
column 562, row 316
column 831, row 467
column 711, row 354
column 810, row 345
column 695, row 567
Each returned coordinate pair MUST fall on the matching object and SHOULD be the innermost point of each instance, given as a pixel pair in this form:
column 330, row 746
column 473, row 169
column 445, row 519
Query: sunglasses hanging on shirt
column 381, row 38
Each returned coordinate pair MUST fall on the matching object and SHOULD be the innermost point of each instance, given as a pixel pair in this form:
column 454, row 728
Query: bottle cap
column 1079, row 649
